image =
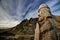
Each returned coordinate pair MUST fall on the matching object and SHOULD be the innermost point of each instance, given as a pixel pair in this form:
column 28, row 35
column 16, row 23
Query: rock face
column 26, row 27
column 36, row 37
column 23, row 31
column 47, row 23
column 28, row 30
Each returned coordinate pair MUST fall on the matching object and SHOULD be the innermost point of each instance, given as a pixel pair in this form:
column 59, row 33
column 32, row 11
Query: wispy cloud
column 4, row 24
column 12, row 11
column 54, row 6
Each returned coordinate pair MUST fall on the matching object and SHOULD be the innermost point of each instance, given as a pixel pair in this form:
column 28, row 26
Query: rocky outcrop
column 24, row 30
column 26, row 27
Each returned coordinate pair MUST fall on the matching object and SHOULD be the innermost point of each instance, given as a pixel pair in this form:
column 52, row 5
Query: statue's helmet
column 44, row 10
column 43, row 6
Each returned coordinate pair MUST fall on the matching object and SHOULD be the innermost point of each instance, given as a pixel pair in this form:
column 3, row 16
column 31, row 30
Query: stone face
column 47, row 28
column 44, row 11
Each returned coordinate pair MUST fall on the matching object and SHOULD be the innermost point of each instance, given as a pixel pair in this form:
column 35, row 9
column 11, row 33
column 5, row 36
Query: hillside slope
column 27, row 27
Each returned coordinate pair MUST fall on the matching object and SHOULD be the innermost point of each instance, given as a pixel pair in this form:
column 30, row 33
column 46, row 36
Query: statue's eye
column 39, row 15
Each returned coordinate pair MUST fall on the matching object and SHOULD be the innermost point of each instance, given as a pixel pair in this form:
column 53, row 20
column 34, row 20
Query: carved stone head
column 44, row 11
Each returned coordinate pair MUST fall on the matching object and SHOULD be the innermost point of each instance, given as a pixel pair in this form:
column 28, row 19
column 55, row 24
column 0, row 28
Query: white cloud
column 5, row 20
column 4, row 24
column 7, row 6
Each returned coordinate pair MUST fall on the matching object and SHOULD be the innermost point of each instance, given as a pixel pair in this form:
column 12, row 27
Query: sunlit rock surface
column 25, row 29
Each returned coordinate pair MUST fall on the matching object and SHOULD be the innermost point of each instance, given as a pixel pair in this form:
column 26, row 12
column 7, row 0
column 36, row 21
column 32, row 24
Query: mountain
column 25, row 29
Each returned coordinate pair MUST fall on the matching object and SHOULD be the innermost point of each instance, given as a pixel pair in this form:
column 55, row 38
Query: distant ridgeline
column 26, row 27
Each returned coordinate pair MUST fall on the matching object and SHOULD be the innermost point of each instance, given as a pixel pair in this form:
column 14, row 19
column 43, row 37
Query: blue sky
column 13, row 12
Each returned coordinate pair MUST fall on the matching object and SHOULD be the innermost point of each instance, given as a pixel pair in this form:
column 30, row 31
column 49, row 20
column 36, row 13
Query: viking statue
column 46, row 26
